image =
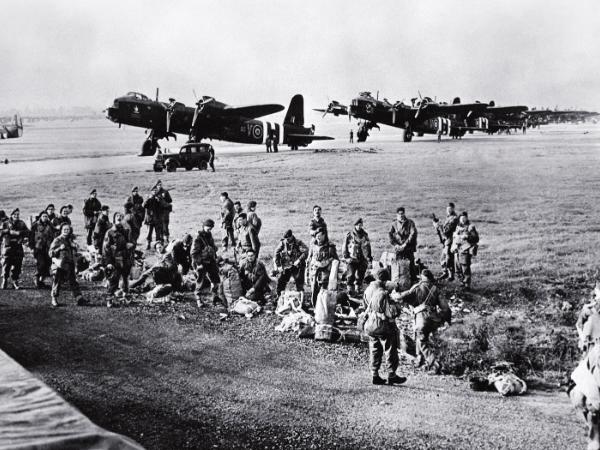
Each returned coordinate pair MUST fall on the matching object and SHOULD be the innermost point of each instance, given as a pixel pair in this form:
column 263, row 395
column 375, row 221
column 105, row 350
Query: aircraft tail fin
column 295, row 113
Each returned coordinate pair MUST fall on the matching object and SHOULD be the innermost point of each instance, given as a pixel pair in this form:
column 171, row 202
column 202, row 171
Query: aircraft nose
column 112, row 112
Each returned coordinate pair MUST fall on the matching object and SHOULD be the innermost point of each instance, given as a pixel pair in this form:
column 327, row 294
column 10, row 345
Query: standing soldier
column 51, row 213
column 290, row 261
column 152, row 207
column 102, row 226
column 322, row 253
column 268, row 144
column 166, row 207
column 211, row 159
column 351, row 136
column 403, row 237
column 13, row 234
column 227, row 215
column 445, row 232
column 131, row 222
column 204, row 260
column 464, row 244
column 377, row 301
column 40, row 238
column 430, row 312
column 357, row 253
column 62, row 218
column 117, row 256
column 254, row 278
column 316, row 223
column 138, row 205
column 91, row 210
column 63, row 253
column 248, row 237
column 253, row 217
column 237, row 208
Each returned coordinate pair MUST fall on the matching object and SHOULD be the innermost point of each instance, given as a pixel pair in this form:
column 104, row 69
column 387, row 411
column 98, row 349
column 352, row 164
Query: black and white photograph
column 302, row 225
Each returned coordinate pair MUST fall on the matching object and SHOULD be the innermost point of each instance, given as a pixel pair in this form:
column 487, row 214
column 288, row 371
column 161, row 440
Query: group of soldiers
column 52, row 240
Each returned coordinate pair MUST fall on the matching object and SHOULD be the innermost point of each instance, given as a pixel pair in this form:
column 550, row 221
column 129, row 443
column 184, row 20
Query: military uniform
column 63, row 266
column 255, row 221
column 377, row 300
column 446, row 231
column 180, row 253
column 464, row 244
column 40, row 238
column 12, row 250
column 248, row 239
column 403, row 237
column 430, row 312
column 165, row 271
column 321, row 257
column 91, row 210
column 131, row 223
column 253, row 275
column 227, row 215
column 118, row 252
column 204, row 261
column 138, row 207
column 58, row 222
column 291, row 258
column 166, row 207
column 315, row 225
column 153, row 220
column 357, row 253
column 102, row 226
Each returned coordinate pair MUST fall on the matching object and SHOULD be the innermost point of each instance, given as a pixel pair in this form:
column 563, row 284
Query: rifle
column 437, row 228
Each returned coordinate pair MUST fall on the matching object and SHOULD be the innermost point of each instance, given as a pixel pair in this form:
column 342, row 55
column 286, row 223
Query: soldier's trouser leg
column 165, row 227
column 464, row 261
column 231, row 236
column 150, row 229
column 125, row 277
column 5, row 267
column 113, row 281
column 298, row 274
column 200, row 276
column 57, row 279
column 447, row 260
column 73, row 284
column 351, row 272
column 11, row 265
column 90, row 233
column 283, row 279
column 390, row 349
column 375, row 355
column 423, row 328
column 360, row 272
column 42, row 263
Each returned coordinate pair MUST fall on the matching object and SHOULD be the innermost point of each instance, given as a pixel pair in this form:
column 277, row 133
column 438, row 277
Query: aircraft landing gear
column 407, row 135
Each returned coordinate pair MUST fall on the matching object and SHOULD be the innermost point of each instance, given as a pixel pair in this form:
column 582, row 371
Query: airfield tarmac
column 174, row 377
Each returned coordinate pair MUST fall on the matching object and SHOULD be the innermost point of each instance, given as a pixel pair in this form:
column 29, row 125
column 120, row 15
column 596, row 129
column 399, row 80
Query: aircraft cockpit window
column 136, row 95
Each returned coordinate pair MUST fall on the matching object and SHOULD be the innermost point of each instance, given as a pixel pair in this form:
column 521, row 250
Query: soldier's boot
column 378, row 380
column 109, row 301
column 54, row 302
column 16, row 285
column 395, row 379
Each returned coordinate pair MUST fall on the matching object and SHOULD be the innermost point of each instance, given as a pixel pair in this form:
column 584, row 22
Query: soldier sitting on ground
column 290, row 261
column 254, row 278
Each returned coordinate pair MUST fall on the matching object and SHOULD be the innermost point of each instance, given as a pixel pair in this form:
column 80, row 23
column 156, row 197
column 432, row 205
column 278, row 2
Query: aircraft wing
column 506, row 109
column 312, row 137
column 319, row 110
column 462, row 108
column 252, row 111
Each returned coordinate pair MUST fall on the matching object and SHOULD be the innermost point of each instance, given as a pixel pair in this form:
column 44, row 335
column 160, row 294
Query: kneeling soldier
column 254, row 278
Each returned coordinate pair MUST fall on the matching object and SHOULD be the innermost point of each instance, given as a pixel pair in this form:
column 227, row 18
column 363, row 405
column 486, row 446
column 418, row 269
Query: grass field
column 173, row 377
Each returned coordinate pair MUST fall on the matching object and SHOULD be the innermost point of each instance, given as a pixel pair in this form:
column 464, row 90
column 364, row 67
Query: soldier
column 254, row 278
column 117, row 256
column 63, row 253
column 351, row 136
column 166, row 207
column 377, row 301
column 163, row 271
column 91, row 210
column 227, row 215
column 403, row 237
column 445, row 231
column 322, row 253
column 316, row 222
column 237, row 208
column 102, row 226
column 14, row 232
column 51, row 213
column 357, row 253
column 268, row 144
column 253, row 217
column 40, row 238
column 153, row 221
column 430, row 312
column 131, row 222
column 204, row 260
column 290, row 261
column 138, row 205
column 589, row 309
column 248, row 237
column 464, row 244
column 211, row 159
column 62, row 218
column 180, row 250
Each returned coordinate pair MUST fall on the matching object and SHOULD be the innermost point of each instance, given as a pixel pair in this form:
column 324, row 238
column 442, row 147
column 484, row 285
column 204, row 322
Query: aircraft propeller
column 200, row 104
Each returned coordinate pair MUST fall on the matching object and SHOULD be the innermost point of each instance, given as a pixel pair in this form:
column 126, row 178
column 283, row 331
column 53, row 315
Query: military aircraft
column 335, row 108
column 294, row 133
column 210, row 119
column 492, row 119
column 424, row 115
column 539, row 117
column 12, row 130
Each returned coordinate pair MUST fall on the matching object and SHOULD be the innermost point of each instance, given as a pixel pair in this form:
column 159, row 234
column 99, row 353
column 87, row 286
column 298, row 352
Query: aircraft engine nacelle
column 483, row 123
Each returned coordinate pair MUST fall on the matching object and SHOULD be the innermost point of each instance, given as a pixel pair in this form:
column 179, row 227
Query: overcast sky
column 538, row 53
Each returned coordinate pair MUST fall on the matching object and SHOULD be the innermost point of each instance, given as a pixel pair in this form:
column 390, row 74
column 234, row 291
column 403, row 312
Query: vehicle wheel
column 189, row 167
column 407, row 136
column 171, row 168
column 158, row 169
column 203, row 165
